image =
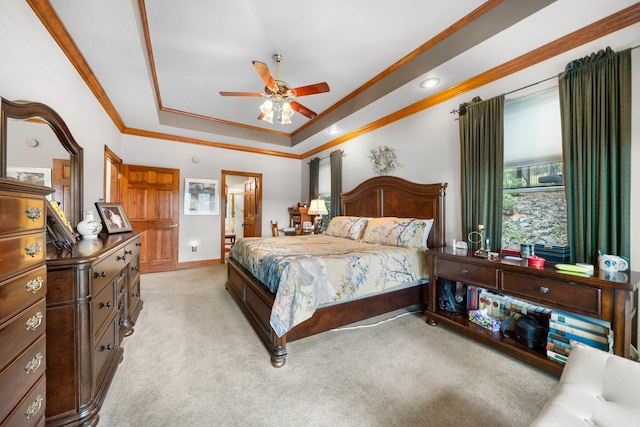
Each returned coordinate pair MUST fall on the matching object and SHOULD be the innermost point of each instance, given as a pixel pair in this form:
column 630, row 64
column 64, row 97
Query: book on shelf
column 605, row 338
column 552, row 355
column 559, row 347
column 580, row 321
column 597, row 343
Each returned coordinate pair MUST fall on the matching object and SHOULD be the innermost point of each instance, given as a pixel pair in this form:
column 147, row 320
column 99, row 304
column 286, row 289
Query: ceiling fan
column 280, row 93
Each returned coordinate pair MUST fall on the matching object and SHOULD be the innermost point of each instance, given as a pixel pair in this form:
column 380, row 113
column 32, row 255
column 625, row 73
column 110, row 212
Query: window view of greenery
column 534, row 206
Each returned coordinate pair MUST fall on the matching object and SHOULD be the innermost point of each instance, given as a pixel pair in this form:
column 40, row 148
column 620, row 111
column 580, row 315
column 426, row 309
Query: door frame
column 223, row 204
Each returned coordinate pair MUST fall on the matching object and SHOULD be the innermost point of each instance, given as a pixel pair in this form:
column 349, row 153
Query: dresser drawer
column 467, row 273
column 107, row 269
column 574, row 297
column 134, row 299
column 105, row 348
column 20, row 292
column 22, row 252
column 132, row 249
column 29, row 411
column 134, row 269
column 17, row 378
column 25, row 213
column 103, row 305
column 22, row 330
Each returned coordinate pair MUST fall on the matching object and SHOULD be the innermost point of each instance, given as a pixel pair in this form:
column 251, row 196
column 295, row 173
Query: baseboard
column 201, row 263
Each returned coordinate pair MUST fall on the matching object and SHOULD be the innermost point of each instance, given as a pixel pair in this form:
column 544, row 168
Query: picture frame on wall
column 201, row 197
column 114, row 218
column 37, row 176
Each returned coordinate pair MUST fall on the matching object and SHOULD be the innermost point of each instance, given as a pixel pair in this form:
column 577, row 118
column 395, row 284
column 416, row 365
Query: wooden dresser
column 23, row 287
column 610, row 296
column 93, row 301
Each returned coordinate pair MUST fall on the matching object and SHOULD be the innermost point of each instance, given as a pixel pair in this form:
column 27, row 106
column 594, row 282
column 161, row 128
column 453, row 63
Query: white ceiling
column 201, row 47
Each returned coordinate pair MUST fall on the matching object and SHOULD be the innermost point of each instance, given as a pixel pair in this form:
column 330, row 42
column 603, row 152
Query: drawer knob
column 137, row 295
column 544, row 290
column 33, row 213
column 465, row 271
column 103, row 274
column 34, row 285
column 129, row 252
column 138, row 244
column 33, row 323
column 34, row 408
column 33, row 249
column 34, row 364
column 136, row 268
column 123, row 257
column 107, row 347
column 105, row 304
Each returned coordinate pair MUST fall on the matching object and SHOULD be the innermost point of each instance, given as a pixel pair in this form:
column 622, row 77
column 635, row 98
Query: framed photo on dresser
column 113, row 217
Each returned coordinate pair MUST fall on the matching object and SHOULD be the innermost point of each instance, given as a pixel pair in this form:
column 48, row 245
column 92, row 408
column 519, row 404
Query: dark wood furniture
column 376, row 197
column 297, row 217
column 610, row 296
column 23, row 286
column 93, row 301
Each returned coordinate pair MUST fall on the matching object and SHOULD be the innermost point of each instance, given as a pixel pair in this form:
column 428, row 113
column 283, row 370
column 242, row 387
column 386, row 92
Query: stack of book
column 502, row 306
column 567, row 330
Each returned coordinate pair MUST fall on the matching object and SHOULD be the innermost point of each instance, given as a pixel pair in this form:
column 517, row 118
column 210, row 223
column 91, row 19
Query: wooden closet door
column 151, row 199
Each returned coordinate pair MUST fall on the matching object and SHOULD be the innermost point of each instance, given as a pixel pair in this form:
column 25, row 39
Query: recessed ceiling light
column 333, row 131
column 430, row 82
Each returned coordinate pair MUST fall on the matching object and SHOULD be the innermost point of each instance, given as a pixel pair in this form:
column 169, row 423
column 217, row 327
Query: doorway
column 242, row 207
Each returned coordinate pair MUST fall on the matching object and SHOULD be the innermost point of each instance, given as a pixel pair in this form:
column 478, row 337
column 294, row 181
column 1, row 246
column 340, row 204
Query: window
column 534, row 202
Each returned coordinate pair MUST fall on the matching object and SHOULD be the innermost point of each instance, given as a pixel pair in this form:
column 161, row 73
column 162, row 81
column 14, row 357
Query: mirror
column 37, row 146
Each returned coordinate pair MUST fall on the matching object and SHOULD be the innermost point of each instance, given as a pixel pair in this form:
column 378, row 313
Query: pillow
column 428, row 223
column 405, row 232
column 349, row 227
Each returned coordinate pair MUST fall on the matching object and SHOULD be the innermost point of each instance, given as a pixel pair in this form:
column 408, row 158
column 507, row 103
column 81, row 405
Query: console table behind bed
column 383, row 196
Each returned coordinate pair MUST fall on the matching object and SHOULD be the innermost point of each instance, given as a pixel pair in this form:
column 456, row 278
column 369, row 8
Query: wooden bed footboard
column 256, row 301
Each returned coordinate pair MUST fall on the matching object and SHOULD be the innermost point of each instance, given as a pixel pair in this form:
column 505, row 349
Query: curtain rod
column 455, row 110
column 326, row 157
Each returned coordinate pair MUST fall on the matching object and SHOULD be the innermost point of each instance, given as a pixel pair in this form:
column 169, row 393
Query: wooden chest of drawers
column 88, row 314
column 23, row 287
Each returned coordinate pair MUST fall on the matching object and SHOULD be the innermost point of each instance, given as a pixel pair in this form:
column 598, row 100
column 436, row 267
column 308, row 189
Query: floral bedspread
column 307, row 271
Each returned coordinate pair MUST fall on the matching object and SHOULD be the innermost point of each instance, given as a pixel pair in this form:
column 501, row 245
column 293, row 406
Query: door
column 61, row 182
column 251, row 186
column 151, row 199
column 250, row 207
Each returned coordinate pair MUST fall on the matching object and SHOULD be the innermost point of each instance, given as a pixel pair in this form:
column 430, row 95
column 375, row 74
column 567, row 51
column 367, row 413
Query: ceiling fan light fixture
column 287, row 113
column 267, row 111
column 430, row 82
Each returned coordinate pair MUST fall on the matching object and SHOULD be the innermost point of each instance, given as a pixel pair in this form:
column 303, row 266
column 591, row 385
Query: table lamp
column 317, row 208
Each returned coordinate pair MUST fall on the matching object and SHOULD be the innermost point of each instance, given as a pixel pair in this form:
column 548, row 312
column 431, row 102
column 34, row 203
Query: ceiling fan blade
column 265, row 74
column 311, row 89
column 251, row 94
column 302, row 109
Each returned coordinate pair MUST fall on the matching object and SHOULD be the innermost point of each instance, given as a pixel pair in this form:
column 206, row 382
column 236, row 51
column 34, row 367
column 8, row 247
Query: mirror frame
column 23, row 110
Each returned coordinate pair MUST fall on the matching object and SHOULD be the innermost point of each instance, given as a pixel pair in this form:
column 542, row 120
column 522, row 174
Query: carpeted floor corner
column 194, row 360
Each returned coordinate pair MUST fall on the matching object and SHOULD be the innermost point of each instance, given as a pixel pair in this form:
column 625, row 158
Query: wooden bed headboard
column 392, row 196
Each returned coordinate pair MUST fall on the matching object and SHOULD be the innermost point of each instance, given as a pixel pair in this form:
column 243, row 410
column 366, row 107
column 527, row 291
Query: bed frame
column 375, row 197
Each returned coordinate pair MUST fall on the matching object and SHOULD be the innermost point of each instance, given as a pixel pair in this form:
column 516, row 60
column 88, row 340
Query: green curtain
column 595, row 101
column 336, row 182
column 314, row 178
column 481, row 163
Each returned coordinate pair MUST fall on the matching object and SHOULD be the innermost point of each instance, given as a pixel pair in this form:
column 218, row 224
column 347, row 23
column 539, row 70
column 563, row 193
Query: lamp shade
column 317, row 207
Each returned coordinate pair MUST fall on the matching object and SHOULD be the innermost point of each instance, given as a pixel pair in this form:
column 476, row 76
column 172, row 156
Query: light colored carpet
column 195, row 361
